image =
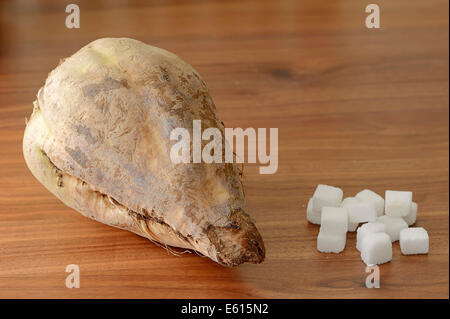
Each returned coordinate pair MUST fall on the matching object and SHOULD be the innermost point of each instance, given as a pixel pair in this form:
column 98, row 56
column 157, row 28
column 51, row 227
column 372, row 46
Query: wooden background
column 356, row 108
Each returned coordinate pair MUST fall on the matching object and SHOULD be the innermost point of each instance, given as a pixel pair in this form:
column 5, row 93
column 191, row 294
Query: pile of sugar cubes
column 384, row 221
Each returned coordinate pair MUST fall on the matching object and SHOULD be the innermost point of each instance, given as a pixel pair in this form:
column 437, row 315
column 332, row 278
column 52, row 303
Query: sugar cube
column 414, row 240
column 397, row 203
column 325, row 195
column 377, row 249
column 360, row 212
column 369, row 196
column 312, row 215
column 351, row 226
column 334, row 220
column 330, row 243
column 410, row 219
column 348, row 200
column 368, row 228
column 393, row 226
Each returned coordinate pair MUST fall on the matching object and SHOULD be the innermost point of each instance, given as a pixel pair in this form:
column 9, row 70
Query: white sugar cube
column 352, row 226
column 312, row 215
column 369, row 196
column 331, row 243
column 377, row 249
column 393, row 226
column 361, row 212
column 410, row 219
column 397, row 203
column 414, row 240
column 325, row 195
column 348, row 200
column 368, row 228
column 334, row 220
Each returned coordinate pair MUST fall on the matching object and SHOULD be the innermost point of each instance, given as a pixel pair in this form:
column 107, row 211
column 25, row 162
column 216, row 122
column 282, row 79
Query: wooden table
column 355, row 107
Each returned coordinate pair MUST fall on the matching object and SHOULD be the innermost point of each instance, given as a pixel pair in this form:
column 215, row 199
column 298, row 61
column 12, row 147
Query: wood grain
column 356, row 108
